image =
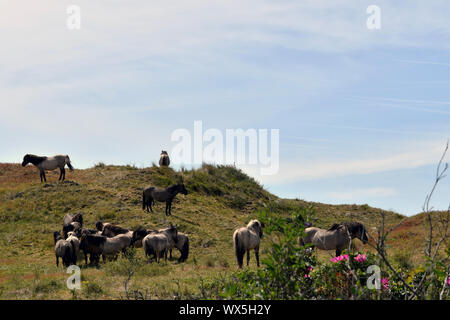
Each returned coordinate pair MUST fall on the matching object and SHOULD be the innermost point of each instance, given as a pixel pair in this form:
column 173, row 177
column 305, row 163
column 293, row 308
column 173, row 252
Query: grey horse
column 337, row 237
column 48, row 163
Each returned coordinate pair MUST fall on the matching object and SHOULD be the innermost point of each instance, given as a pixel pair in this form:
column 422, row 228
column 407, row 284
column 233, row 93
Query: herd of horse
column 108, row 239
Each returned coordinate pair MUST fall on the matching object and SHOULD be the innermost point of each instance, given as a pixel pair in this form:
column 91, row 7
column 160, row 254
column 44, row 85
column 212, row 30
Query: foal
column 48, row 163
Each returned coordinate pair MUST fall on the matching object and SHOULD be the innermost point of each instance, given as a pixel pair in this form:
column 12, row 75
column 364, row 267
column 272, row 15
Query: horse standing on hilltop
column 150, row 194
column 164, row 160
column 48, row 163
column 246, row 239
column 337, row 237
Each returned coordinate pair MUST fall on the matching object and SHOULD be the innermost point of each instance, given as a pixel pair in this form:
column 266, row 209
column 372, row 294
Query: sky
column 363, row 114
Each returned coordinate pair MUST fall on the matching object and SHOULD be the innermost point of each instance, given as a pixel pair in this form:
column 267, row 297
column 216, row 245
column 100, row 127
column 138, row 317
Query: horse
column 48, row 163
column 111, row 230
column 158, row 243
column 139, row 234
column 247, row 238
column 118, row 243
column 337, row 237
column 164, row 160
column 150, row 194
column 64, row 249
column 182, row 245
column 72, row 222
column 92, row 244
column 71, row 236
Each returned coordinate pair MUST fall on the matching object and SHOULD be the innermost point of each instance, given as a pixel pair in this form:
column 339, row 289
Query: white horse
column 246, row 239
column 48, row 164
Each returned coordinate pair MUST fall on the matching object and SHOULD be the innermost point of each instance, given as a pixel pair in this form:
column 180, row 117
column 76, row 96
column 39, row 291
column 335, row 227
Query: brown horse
column 48, row 164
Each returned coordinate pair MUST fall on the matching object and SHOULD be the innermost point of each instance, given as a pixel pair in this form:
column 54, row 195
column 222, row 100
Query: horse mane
column 335, row 226
column 115, row 229
column 352, row 226
column 34, row 159
column 173, row 188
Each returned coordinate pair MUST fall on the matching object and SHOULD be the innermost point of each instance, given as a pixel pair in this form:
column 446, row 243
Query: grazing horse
column 337, row 237
column 92, row 244
column 182, row 245
column 159, row 243
column 48, row 163
column 247, row 238
column 64, row 249
column 151, row 194
column 164, row 160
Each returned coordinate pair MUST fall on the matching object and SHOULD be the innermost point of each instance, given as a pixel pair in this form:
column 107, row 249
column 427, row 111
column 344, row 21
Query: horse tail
column 184, row 251
column 68, row 163
column 239, row 250
column 143, row 200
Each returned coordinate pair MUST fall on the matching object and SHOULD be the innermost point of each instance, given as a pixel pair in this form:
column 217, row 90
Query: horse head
column 357, row 230
column 182, row 188
column 56, row 236
column 26, row 160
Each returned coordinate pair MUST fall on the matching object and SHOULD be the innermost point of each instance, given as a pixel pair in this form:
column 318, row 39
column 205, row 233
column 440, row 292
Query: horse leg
column 60, row 174
column 338, row 252
column 167, row 207
column 63, row 173
column 257, row 256
column 57, row 261
column 248, row 257
column 43, row 174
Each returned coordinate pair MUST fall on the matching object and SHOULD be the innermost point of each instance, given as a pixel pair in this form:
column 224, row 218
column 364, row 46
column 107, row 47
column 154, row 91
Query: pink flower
column 307, row 276
column 339, row 258
column 448, row 281
column 385, row 282
column 361, row 258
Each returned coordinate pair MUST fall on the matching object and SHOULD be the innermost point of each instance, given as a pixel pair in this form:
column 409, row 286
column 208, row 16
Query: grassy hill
column 220, row 199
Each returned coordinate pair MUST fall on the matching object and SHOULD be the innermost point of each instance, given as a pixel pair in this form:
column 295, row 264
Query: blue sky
column 363, row 114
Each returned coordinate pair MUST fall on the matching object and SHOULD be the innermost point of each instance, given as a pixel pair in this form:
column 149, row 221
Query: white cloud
column 415, row 155
column 363, row 193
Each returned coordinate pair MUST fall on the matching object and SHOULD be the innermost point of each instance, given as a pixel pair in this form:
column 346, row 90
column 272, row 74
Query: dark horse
column 48, row 163
column 151, row 194
column 164, row 159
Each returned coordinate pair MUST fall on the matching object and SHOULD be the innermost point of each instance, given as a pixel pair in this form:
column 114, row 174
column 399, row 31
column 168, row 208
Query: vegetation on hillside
column 220, row 199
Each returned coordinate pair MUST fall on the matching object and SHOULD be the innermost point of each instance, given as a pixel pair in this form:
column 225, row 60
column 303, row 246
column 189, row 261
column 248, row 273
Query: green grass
column 220, row 200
